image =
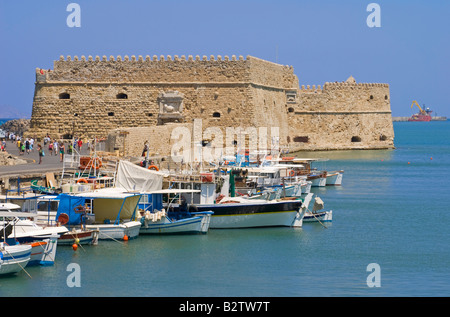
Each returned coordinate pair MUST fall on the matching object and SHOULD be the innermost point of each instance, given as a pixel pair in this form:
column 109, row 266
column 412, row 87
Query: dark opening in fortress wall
column 93, row 96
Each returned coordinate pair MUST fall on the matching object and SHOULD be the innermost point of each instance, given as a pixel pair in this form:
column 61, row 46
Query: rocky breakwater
column 16, row 126
column 7, row 159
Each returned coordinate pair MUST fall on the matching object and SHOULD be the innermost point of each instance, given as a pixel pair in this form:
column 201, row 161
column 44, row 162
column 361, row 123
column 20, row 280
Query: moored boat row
column 141, row 201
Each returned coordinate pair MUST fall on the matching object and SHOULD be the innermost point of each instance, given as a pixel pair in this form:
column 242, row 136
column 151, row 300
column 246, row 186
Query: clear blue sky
column 323, row 40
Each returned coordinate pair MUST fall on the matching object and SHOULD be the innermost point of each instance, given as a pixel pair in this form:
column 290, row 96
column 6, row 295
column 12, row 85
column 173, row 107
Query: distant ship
column 422, row 115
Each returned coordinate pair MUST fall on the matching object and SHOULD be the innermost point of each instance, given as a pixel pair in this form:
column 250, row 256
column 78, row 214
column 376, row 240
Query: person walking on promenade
column 50, row 147
column 80, row 143
column 55, row 147
column 27, row 146
column 61, row 151
column 41, row 153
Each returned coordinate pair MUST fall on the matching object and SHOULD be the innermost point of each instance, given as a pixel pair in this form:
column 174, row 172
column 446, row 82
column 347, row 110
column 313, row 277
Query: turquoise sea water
column 387, row 212
column 3, row 120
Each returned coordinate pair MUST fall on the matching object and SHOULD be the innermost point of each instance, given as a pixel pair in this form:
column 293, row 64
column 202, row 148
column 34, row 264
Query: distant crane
column 421, row 110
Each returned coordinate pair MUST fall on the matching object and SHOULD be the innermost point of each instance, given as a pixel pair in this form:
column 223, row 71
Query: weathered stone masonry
column 93, row 96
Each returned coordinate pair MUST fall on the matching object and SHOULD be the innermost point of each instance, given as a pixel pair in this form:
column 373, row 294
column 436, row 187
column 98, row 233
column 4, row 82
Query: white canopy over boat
column 135, row 178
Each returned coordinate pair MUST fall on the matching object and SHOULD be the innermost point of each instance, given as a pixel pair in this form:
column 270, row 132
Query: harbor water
column 392, row 210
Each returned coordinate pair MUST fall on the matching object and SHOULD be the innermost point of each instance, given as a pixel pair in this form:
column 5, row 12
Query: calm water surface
column 387, row 212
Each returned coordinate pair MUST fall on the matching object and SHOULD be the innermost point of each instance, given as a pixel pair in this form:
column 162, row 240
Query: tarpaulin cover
column 67, row 205
column 135, row 178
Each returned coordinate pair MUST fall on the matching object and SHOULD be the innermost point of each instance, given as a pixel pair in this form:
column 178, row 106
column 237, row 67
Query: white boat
column 13, row 258
column 117, row 231
column 316, row 214
column 238, row 212
column 15, row 230
column 176, row 218
column 79, row 236
column 110, row 211
column 334, row 178
column 43, row 252
column 305, row 186
column 23, row 225
column 321, row 216
column 317, row 179
column 245, row 212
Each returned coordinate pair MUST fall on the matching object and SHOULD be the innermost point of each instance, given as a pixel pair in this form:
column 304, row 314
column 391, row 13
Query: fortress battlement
column 340, row 86
column 154, row 58
column 175, row 69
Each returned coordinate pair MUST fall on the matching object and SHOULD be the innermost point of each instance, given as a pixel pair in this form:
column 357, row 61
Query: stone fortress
column 130, row 100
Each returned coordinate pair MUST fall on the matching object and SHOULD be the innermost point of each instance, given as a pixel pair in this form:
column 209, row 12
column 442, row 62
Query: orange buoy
column 74, row 246
column 125, row 238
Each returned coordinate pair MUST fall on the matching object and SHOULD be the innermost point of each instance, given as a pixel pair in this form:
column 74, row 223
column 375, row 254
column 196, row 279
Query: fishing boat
column 43, row 246
column 43, row 252
column 163, row 211
column 77, row 233
column 110, row 211
column 303, row 166
column 238, row 212
column 334, row 178
column 230, row 211
column 172, row 217
column 273, row 178
column 13, row 258
column 25, row 228
column 317, row 214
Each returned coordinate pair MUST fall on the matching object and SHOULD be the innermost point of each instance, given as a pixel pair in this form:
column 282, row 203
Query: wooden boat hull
column 79, row 236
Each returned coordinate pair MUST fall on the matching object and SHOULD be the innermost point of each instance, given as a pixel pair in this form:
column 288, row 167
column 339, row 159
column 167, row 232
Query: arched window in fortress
column 356, row 139
column 64, row 95
column 216, row 115
column 122, row 96
column 290, row 109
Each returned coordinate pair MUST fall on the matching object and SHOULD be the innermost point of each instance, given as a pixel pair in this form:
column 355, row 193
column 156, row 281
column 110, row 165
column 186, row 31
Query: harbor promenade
column 50, row 163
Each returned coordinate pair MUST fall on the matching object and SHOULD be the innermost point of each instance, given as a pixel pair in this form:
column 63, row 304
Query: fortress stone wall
column 99, row 96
